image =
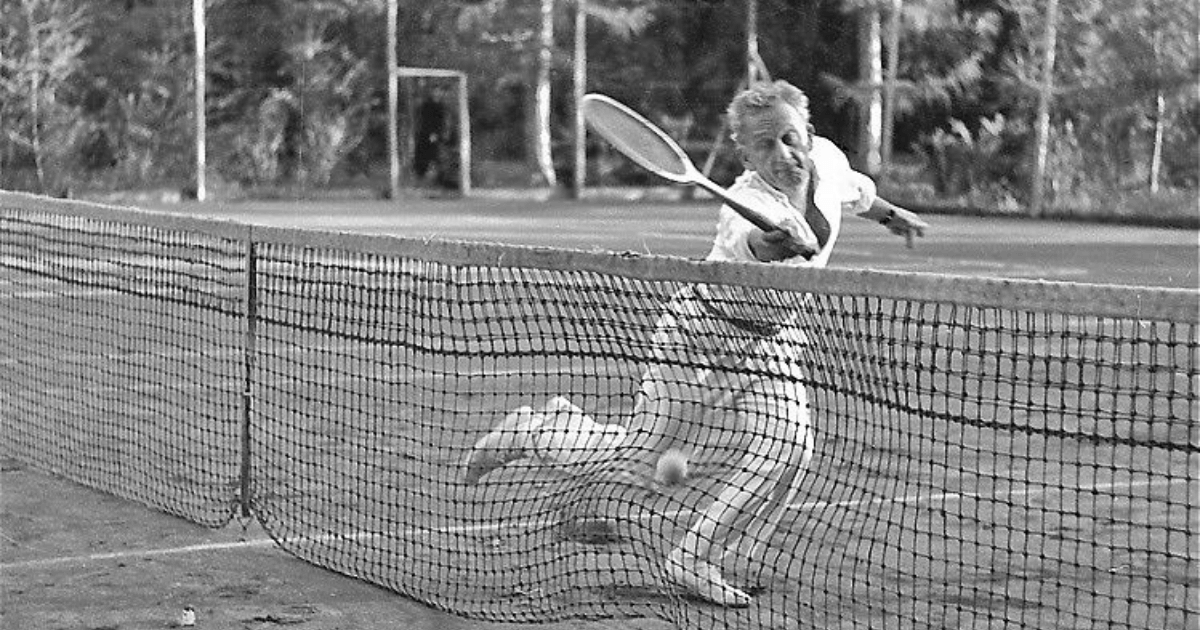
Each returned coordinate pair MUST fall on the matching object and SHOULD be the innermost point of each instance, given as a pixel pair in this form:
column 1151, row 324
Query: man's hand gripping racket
column 651, row 148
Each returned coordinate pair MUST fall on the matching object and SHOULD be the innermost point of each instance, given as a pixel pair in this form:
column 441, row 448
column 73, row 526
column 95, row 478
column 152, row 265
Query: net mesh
column 120, row 351
column 942, row 452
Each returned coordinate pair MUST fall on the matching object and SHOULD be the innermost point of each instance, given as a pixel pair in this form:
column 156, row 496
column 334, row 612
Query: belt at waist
column 761, row 329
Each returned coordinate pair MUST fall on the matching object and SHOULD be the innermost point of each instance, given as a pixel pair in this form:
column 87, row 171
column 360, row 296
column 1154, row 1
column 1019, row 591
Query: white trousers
column 724, row 396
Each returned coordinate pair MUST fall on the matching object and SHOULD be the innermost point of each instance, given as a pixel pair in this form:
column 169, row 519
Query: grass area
column 908, row 184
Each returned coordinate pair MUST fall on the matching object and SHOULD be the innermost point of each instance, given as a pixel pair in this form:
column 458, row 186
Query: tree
column 1140, row 61
column 536, row 48
column 293, row 86
column 290, row 93
column 136, row 90
column 326, row 89
column 1114, row 62
column 41, row 46
column 872, row 98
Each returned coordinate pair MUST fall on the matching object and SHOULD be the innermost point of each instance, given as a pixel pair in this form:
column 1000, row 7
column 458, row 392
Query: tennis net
column 985, row 453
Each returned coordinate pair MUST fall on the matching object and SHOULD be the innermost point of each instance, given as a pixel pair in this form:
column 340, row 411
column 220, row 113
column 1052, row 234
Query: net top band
column 1139, row 303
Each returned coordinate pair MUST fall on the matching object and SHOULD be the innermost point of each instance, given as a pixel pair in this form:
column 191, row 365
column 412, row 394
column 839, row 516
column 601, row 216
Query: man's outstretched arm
column 896, row 219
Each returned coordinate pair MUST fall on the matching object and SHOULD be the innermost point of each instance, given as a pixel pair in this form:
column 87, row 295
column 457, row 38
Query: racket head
column 637, row 138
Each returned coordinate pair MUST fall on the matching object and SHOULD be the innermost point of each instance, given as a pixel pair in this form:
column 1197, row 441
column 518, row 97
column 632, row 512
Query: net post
column 248, row 350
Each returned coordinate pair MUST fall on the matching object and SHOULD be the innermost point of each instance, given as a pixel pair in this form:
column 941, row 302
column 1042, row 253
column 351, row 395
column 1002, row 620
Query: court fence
column 984, row 453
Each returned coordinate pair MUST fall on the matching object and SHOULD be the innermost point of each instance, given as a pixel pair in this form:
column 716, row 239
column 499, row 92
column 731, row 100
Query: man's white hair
column 763, row 96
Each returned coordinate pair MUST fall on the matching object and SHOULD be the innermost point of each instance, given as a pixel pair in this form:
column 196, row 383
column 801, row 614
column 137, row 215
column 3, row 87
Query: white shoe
column 755, row 564
column 704, row 580
column 510, row 440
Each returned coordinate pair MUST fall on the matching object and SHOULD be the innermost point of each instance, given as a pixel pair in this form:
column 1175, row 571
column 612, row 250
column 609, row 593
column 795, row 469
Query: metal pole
column 201, row 87
column 580, row 79
column 393, row 102
column 249, row 348
column 464, row 137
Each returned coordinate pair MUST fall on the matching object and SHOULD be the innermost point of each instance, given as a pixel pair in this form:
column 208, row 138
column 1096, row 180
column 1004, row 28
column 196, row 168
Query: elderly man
column 725, row 374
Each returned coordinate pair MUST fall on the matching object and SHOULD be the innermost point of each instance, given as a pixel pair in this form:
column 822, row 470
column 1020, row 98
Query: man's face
column 776, row 142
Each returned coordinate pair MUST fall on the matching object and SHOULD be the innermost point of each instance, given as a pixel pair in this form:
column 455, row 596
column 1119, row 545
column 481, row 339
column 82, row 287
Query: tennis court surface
column 989, row 453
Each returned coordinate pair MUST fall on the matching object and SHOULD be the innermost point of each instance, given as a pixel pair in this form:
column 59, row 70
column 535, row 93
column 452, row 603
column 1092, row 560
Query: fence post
column 249, row 348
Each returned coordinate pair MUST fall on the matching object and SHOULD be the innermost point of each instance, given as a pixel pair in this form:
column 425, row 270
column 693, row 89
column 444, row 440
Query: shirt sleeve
column 732, row 239
column 839, row 187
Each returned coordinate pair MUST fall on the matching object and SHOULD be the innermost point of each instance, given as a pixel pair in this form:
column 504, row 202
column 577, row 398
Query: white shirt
column 839, row 188
column 709, row 372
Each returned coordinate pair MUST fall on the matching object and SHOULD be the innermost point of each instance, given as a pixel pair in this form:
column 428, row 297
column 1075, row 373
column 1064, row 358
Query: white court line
column 490, row 527
column 138, row 553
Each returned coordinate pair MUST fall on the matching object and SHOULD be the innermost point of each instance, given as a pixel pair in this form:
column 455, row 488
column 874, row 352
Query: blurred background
column 1026, row 107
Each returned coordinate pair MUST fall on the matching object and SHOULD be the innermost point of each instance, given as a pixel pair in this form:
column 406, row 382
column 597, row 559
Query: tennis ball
column 672, row 467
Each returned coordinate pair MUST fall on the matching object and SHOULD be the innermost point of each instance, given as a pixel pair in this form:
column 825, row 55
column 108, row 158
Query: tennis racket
column 651, row 148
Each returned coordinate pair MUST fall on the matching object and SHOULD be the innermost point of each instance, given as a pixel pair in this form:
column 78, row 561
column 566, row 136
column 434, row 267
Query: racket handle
column 746, row 212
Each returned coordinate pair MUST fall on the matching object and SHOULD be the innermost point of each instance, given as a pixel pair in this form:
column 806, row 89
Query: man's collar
column 753, row 179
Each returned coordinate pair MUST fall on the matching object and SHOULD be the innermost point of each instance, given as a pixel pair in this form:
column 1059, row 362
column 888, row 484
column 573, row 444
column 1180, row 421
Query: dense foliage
column 98, row 95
